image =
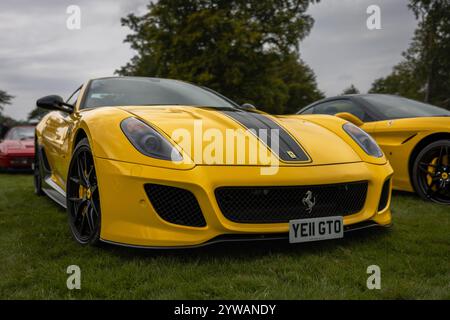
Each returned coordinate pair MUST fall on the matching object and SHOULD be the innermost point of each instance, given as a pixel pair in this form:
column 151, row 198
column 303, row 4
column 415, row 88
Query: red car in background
column 17, row 148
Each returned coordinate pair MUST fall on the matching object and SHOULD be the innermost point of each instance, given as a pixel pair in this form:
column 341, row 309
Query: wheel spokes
column 79, row 207
column 90, row 217
column 75, row 199
column 426, row 164
column 83, row 196
column 76, row 203
column 89, row 174
column 434, row 174
column 424, row 167
column 75, row 180
column 82, row 167
column 82, row 224
column 94, row 208
column 443, row 151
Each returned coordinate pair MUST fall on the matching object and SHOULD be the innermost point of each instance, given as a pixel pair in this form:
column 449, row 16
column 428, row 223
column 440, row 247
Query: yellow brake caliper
column 84, row 193
column 432, row 171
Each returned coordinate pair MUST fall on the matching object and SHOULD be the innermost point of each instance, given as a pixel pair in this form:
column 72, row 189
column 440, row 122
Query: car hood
column 204, row 126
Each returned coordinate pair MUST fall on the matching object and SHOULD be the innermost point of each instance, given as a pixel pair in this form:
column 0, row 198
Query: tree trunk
column 430, row 81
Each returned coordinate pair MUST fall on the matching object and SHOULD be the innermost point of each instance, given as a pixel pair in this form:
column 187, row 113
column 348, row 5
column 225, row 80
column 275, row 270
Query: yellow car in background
column 415, row 137
column 150, row 162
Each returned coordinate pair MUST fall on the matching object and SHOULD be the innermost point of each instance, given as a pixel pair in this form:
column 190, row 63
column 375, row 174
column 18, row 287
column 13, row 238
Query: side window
column 74, row 97
column 309, row 111
column 11, row 134
column 337, row 106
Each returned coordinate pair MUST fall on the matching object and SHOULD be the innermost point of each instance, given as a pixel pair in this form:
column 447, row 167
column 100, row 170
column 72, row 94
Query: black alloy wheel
column 83, row 199
column 431, row 172
column 37, row 174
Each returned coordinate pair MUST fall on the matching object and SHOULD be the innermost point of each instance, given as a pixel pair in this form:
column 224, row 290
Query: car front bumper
column 18, row 160
column 128, row 217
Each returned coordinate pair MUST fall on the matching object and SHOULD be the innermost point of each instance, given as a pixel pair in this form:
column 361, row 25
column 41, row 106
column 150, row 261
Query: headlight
column 149, row 141
column 366, row 142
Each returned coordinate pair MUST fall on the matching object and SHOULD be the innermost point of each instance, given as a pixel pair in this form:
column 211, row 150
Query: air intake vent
column 385, row 193
column 175, row 205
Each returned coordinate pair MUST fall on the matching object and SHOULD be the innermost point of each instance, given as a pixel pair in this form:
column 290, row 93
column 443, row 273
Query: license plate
column 316, row 229
column 21, row 161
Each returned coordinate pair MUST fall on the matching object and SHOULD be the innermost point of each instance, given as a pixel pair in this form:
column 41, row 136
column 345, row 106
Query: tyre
column 83, row 198
column 431, row 172
column 37, row 173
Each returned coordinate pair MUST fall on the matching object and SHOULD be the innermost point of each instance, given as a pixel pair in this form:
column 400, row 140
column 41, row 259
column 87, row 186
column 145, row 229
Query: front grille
column 385, row 193
column 281, row 204
column 175, row 205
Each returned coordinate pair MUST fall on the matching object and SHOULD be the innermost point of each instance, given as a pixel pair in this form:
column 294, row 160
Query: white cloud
column 341, row 50
column 40, row 56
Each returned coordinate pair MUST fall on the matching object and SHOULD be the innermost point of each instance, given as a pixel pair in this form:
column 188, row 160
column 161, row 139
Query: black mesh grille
column 175, row 205
column 385, row 195
column 281, row 204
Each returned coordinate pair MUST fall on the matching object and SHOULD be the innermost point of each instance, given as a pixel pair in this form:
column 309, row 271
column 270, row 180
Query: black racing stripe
column 289, row 149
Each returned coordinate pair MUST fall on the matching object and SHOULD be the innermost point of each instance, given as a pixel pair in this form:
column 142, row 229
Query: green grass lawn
column 36, row 248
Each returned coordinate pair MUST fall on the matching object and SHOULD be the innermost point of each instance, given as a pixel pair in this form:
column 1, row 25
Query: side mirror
column 351, row 118
column 247, row 106
column 54, row 103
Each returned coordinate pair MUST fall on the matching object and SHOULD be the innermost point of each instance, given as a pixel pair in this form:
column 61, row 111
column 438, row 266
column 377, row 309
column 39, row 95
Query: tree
column 5, row 124
column 245, row 49
column 425, row 72
column 4, row 99
column 402, row 81
column 37, row 114
column 351, row 90
column 431, row 48
column 301, row 84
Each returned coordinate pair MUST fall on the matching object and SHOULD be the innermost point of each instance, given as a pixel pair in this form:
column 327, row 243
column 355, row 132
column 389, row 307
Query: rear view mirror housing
column 247, row 107
column 54, row 102
column 351, row 118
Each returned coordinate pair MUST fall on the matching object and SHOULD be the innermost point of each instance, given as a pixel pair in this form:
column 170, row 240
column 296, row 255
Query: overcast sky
column 40, row 56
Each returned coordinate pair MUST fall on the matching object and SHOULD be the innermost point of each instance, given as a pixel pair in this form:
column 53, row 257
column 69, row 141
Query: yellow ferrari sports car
column 415, row 137
column 153, row 163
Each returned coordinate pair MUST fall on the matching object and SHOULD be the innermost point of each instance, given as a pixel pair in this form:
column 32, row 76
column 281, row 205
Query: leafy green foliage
column 4, row 99
column 37, row 114
column 5, row 122
column 351, row 90
column 402, row 81
column 247, row 50
column 425, row 72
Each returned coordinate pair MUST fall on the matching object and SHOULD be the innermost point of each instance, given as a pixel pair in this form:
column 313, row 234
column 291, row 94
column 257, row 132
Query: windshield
column 393, row 107
column 20, row 133
column 149, row 92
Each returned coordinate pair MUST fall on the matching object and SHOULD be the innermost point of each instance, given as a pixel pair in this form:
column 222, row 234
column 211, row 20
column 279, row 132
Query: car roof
column 356, row 95
column 344, row 96
column 132, row 77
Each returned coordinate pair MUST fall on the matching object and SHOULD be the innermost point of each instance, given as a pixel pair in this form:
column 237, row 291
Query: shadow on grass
column 4, row 171
column 405, row 194
column 252, row 249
